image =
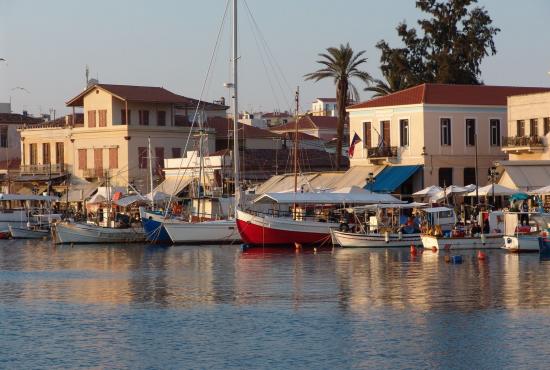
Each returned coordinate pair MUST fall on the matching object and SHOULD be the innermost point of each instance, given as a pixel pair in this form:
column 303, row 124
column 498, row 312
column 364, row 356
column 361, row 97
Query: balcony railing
column 382, row 152
column 522, row 143
column 42, row 169
column 95, row 173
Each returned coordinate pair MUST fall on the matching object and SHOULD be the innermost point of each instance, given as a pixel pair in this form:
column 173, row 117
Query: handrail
column 514, row 141
column 382, row 151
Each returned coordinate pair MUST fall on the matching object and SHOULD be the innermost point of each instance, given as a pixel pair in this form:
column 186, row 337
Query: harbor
column 116, row 306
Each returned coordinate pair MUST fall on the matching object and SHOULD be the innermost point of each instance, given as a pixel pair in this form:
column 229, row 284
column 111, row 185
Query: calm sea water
column 219, row 307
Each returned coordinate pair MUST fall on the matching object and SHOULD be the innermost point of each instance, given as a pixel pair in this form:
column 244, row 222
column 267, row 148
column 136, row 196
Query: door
column 386, row 133
column 98, row 162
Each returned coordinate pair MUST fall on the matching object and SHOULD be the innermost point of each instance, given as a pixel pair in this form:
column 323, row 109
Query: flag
column 354, row 141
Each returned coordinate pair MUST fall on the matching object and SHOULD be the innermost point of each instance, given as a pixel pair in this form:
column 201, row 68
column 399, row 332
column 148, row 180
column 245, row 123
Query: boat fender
column 434, row 249
column 387, row 236
column 413, row 250
column 344, row 227
column 483, row 239
column 481, row 256
column 447, row 259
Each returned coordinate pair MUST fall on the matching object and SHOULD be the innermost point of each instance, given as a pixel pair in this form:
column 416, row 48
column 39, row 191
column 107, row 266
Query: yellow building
column 427, row 134
column 112, row 138
column 526, row 142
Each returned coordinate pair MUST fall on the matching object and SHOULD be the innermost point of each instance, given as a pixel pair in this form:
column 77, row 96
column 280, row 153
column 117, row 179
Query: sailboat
column 219, row 231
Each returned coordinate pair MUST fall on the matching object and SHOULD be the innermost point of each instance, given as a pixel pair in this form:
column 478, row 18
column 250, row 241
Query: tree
column 341, row 64
column 455, row 40
column 393, row 82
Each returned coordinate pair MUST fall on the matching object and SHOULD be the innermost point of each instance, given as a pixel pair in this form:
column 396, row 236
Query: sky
column 169, row 43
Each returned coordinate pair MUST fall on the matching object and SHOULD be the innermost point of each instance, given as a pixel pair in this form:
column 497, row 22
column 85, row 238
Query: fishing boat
column 153, row 226
column 384, row 225
column 458, row 239
column 17, row 210
column 29, row 232
column 524, row 238
column 83, row 233
column 310, row 220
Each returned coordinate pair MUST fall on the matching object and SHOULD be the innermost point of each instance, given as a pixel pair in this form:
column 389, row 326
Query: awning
column 364, row 197
column 172, row 185
column 392, row 177
column 526, row 177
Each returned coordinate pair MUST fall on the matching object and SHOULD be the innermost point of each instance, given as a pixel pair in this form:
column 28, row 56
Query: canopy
column 428, row 192
column 364, row 197
column 540, row 191
column 390, row 205
column 129, row 200
column 519, row 196
column 105, row 192
column 172, row 185
column 391, row 177
column 42, row 198
column 453, row 190
column 487, row 190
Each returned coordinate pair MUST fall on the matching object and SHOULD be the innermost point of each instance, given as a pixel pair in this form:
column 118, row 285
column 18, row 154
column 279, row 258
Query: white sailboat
column 222, row 231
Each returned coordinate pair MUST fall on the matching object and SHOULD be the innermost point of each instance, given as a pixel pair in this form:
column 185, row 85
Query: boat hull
column 440, row 243
column 206, row 232
column 91, row 234
column 153, row 225
column 266, row 230
column 356, row 240
column 521, row 243
column 25, row 233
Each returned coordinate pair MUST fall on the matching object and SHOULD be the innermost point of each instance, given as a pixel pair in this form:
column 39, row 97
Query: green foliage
column 341, row 64
column 455, row 40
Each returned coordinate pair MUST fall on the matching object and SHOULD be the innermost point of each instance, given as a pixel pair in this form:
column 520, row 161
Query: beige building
column 527, row 142
column 112, row 138
column 427, row 134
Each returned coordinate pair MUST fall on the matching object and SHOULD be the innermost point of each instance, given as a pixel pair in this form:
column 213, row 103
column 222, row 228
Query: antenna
column 87, row 75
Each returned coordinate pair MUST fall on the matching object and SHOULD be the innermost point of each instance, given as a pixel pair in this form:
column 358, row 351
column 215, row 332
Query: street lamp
column 492, row 176
column 370, row 180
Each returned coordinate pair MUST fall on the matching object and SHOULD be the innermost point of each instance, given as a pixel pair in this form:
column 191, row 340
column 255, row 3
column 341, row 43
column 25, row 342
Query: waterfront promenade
column 219, row 307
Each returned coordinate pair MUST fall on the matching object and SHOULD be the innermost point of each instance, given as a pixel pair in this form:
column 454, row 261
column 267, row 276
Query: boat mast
column 201, row 164
column 151, row 172
column 297, row 100
column 235, row 111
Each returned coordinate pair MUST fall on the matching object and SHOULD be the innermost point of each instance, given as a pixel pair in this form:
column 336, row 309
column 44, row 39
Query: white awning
column 428, row 192
column 172, row 185
column 365, row 197
column 488, row 190
column 105, row 192
column 129, row 200
column 526, row 177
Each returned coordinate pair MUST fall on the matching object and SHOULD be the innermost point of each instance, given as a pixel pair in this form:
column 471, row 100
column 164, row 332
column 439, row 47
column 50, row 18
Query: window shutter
column 82, row 165
column 113, row 157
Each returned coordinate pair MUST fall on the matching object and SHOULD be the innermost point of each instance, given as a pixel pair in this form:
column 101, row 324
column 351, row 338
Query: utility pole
column 151, row 173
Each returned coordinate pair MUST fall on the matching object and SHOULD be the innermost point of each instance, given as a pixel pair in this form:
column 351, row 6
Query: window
column 103, row 118
column 98, row 161
column 91, row 118
column 159, row 159
column 404, row 132
column 113, row 157
column 367, row 143
column 470, row 132
column 144, row 117
column 161, row 118
column 123, row 117
column 3, row 136
column 142, row 157
column 386, row 133
column 469, row 176
column 445, row 176
column 33, row 153
column 82, row 159
column 59, row 153
column 495, row 132
column 445, row 125
column 533, row 127
column 46, row 154
column 546, row 125
column 176, row 152
column 520, row 128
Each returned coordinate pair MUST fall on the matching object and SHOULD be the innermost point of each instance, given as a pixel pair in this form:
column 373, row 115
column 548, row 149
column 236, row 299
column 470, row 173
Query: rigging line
column 201, row 96
column 263, row 62
column 270, row 54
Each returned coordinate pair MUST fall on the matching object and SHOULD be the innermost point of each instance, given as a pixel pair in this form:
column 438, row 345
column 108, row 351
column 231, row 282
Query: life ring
column 344, row 227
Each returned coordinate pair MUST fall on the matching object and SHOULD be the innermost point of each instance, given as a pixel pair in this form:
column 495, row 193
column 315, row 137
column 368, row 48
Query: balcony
column 382, row 153
column 43, row 169
column 522, row 144
column 95, row 173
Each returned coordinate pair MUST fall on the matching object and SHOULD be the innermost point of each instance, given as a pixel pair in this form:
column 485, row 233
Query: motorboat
column 525, row 238
column 86, row 233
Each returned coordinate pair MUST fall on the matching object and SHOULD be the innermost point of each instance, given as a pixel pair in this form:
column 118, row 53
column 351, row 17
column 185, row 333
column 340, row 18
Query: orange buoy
column 481, row 256
column 434, row 249
column 413, row 250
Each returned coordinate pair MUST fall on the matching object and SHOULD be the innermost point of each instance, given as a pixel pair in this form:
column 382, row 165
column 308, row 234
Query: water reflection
column 357, row 280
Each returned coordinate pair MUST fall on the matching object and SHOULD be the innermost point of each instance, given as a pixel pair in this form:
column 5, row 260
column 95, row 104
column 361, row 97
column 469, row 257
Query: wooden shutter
column 46, row 154
column 368, row 136
column 103, row 118
column 161, row 118
column 98, row 161
column 91, row 118
column 82, row 165
column 113, row 157
column 386, row 133
column 159, row 154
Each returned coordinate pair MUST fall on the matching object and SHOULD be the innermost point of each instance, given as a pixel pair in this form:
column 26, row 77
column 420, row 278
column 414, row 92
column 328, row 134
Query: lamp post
column 370, row 180
column 492, row 175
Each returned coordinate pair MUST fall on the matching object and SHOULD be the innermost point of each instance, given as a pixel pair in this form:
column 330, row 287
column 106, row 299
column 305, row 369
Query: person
column 524, row 215
column 486, row 226
column 476, row 229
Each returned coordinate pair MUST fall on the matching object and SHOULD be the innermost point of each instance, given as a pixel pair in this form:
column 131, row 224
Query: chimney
column 25, row 113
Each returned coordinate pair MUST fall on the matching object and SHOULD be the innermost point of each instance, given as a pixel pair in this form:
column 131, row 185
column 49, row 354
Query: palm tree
column 341, row 64
column 394, row 82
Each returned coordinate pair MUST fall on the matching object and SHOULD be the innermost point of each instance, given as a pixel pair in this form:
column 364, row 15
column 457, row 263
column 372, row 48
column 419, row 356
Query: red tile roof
column 332, row 100
column 18, row 119
column 145, row 94
column 224, row 128
column 309, row 122
column 301, row 136
column 450, row 95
